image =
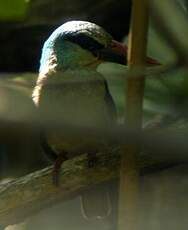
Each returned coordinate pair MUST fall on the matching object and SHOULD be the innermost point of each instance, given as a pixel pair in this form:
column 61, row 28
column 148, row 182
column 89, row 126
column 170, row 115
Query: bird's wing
column 110, row 104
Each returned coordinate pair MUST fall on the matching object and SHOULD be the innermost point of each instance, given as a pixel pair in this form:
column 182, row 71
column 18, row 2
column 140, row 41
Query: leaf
column 13, row 9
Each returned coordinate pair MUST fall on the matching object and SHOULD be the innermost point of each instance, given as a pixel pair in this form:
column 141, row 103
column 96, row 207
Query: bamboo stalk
column 129, row 172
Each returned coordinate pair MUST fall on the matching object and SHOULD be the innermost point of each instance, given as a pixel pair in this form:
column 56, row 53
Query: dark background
column 21, row 42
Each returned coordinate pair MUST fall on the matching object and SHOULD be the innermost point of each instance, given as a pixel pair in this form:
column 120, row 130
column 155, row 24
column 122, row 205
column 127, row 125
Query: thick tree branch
column 25, row 196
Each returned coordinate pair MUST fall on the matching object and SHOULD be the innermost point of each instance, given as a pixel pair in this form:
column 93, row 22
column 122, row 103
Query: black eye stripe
column 84, row 41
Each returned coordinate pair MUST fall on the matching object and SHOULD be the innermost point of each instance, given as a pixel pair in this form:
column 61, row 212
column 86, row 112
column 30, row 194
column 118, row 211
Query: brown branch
column 25, row 196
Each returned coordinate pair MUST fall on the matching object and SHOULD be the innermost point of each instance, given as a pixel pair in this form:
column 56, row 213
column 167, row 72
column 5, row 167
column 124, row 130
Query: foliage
column 12, row 9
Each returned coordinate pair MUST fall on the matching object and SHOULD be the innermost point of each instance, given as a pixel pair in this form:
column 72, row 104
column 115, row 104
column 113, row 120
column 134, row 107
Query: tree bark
column 22, row 197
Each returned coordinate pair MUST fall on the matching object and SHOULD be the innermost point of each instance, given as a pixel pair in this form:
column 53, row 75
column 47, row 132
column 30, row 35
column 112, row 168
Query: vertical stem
column 129, row 172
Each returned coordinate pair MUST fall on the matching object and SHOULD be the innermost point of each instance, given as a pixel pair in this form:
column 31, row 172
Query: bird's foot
column 57, row 166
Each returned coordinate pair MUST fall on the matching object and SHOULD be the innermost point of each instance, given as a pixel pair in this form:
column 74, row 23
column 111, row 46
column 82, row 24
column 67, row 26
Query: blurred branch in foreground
column 24, row 196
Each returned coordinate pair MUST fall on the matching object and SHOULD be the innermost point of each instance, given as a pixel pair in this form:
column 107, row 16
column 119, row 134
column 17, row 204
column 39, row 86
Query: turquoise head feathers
column 77, row 43
column 77, row 35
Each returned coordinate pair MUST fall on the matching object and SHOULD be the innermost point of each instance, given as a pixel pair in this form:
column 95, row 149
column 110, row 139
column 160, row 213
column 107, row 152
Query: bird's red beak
column 121, row 50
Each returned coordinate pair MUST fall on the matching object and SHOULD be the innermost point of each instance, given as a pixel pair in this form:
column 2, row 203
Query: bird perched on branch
column 70, row 91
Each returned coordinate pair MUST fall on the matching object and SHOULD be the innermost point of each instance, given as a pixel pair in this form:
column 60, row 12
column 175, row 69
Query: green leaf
column 13, row 9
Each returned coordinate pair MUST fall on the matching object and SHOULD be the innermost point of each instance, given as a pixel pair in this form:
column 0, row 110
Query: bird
column 71, row 92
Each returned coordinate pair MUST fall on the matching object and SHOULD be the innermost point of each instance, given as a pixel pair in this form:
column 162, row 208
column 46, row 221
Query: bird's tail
column 96, row 203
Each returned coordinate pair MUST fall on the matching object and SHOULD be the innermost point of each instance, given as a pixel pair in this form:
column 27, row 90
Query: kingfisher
column 69, row 90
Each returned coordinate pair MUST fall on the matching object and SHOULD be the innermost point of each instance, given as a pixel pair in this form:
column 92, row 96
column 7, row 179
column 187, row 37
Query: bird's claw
column 57, row 166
